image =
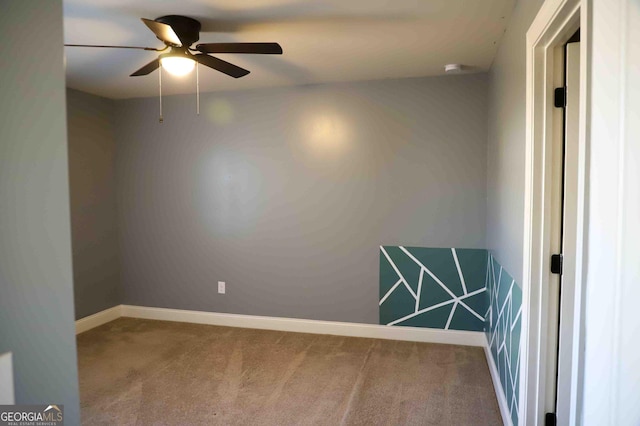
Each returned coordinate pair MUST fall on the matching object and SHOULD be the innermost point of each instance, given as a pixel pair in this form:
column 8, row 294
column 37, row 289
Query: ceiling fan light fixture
column 177, row 65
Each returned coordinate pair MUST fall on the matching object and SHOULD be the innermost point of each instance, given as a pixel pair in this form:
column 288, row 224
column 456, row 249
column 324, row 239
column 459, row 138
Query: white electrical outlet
column 221, row 287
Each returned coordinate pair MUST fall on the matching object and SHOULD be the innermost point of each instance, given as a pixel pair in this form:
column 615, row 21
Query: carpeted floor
column 146, row 372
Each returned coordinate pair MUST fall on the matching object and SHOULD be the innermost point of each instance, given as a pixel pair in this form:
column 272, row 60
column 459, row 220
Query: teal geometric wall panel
column 503, row 330
column 456, row 289
column 442, row 288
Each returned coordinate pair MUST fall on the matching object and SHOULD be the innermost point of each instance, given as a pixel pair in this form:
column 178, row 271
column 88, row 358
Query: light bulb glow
column 178, row 65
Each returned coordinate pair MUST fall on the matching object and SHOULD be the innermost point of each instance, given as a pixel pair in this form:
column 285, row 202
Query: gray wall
column 506, row 142
column 96, row 268
column 36, row 299
column 286, row 194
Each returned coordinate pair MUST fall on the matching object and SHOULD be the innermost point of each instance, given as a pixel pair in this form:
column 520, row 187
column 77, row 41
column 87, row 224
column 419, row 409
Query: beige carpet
column 154, row 372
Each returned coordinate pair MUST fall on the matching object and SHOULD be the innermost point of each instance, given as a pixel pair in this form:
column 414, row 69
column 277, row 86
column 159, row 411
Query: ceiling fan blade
column 116, row 47
column 220, row 65
column 163, row 31
column 261, row 48
column 147, row 69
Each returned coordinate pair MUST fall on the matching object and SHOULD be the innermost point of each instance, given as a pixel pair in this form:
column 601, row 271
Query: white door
column 569, row 237
column 562, row 285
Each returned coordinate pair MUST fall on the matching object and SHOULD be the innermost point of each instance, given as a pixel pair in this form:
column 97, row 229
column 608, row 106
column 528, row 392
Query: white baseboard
column 412, row 334
column 97, row 319
column 7, row 395
column 497, row 385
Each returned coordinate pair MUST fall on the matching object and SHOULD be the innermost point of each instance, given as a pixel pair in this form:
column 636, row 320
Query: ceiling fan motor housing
column 187, row 29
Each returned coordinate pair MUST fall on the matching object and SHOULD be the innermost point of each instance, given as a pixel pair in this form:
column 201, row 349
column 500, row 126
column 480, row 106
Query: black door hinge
column 556, row 263
column 560, row 97
column 550, row 419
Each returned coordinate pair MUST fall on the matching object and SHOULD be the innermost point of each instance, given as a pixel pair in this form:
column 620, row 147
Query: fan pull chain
column 197, row 90
column 160, row 87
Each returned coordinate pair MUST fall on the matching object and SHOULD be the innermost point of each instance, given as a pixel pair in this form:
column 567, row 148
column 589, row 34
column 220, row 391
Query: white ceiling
column 323, row 40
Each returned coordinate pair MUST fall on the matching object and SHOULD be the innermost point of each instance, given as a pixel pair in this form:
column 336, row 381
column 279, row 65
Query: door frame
column 555, row 23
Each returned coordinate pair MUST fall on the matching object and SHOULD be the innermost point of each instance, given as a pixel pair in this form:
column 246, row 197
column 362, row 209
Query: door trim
column 555, row 23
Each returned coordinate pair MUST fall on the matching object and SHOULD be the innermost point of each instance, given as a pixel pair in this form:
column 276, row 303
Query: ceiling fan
column 178, row 33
